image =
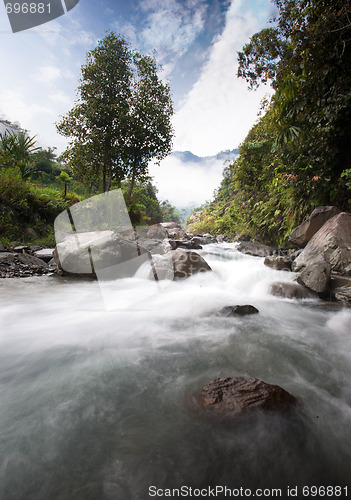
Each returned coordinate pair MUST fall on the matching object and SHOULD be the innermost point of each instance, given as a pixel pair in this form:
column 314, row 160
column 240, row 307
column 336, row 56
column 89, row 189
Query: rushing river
column 98, row 405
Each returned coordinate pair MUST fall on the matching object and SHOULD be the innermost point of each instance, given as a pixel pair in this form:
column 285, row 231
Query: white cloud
column 48, row 74
column 219, row 110
column 185, row 184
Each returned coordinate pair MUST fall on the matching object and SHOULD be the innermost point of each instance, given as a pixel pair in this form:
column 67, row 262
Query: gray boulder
column 301, row 235
column 343, row 294
column 157, row 232
column 46, row 254
column 99, row 253
column 228, row 397
column 291, row 291
column 179, row 264
column 331, row 244
column 315, row 276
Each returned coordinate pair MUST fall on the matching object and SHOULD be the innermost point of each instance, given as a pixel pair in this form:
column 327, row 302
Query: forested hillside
column 298, row 155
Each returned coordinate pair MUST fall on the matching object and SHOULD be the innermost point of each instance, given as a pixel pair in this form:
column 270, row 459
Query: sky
column 195, row 41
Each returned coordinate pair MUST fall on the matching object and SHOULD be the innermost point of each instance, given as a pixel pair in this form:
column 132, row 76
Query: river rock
column 315, row 277
column 256, row 249
column 31, row 260
column 240, row 310
column 177, row 234
column 179, row 264
column 332, row 244
column 343, row 294
column 291, row 291
column 7, row 256
column 99, row 253
column 302, row 234
column 171, row 225
column 46, row 254
column 278, row 262
column 226, row 397
column 157, row 232
column 189, row 245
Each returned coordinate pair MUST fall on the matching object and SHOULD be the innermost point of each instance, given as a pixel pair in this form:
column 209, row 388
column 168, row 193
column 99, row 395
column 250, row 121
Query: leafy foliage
column 298, row 156
column 122, row 118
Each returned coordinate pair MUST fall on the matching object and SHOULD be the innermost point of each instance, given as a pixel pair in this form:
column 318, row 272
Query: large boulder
column 157, row 232
column 256, row 249
column 179, row 264
column 227, row 397
column 332, row 244
column 101, row 254
column 302, row 234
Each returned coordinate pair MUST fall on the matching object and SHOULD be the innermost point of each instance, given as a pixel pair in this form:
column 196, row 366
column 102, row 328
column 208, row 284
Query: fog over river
column 98, row 404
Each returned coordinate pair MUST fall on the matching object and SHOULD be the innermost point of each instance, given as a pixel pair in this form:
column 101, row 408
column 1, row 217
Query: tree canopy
column 122, row 118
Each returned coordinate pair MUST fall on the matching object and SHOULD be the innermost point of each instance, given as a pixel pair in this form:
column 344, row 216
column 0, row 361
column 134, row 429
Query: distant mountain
column 189, row 157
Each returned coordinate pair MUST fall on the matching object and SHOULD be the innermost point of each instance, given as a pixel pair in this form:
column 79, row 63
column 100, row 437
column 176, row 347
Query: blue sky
column 195, row 41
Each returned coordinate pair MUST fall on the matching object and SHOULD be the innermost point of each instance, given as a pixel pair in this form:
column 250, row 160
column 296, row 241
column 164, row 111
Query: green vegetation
column 122, row 119
column 298, row 155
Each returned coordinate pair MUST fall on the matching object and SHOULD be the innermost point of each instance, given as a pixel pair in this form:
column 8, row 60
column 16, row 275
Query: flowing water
column 98, row 404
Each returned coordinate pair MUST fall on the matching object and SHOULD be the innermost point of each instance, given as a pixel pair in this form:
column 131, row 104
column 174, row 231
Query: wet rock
column 255, row 249
column 200, row 240
column 7, row 256
column 190, row 245
column 332, row 244
column 177, row 234
column 291, row 291
column 227, row 397
column 301, row 235
column 240, row 310
column 278, row 262
column 179, row 264
column 171, row 225
column 30, row 260
column 315, row 277
column 343, row 294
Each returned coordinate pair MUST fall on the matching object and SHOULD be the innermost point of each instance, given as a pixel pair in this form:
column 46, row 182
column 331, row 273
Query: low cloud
column 219, row 110
column 187, row 183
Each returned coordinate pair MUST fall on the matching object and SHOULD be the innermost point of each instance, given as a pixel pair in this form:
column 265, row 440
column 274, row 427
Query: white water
column 98, row 405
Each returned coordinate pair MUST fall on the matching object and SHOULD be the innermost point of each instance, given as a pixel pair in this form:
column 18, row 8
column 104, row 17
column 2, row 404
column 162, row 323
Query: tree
column 122, row 117
column 17, row 149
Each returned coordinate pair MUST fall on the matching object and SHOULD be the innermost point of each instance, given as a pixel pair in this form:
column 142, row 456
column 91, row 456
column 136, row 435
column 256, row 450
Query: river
column 99, row 404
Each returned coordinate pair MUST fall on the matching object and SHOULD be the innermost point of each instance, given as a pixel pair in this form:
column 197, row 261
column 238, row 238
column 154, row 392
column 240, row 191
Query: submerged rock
column 179, row 264
column 228, row 397
column 238, row 310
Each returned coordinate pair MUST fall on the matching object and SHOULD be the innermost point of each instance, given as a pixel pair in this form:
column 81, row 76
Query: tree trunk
column 104, row 178
column 132, row 182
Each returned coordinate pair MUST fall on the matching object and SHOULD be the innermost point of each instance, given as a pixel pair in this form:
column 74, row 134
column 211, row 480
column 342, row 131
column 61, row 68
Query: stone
column 256, row 249
column 332, row 244
column 31, row 260
column 190, row 245
column 171, row 225
column 343, row 294
column 201, row 240
column 99, row 253
column 46, row 254
column 7, row 256
column 21, row 248
column 157, row 232
column 302, row 234
column 291, row 291
column 229, row 397
column 315, row 277
column 179, row 264
column 3, row 248
column 240, row 310
column 177, row 234
column 278, row 262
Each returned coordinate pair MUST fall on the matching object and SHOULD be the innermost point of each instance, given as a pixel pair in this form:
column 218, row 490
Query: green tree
column 17, row 149
column 122, row 117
